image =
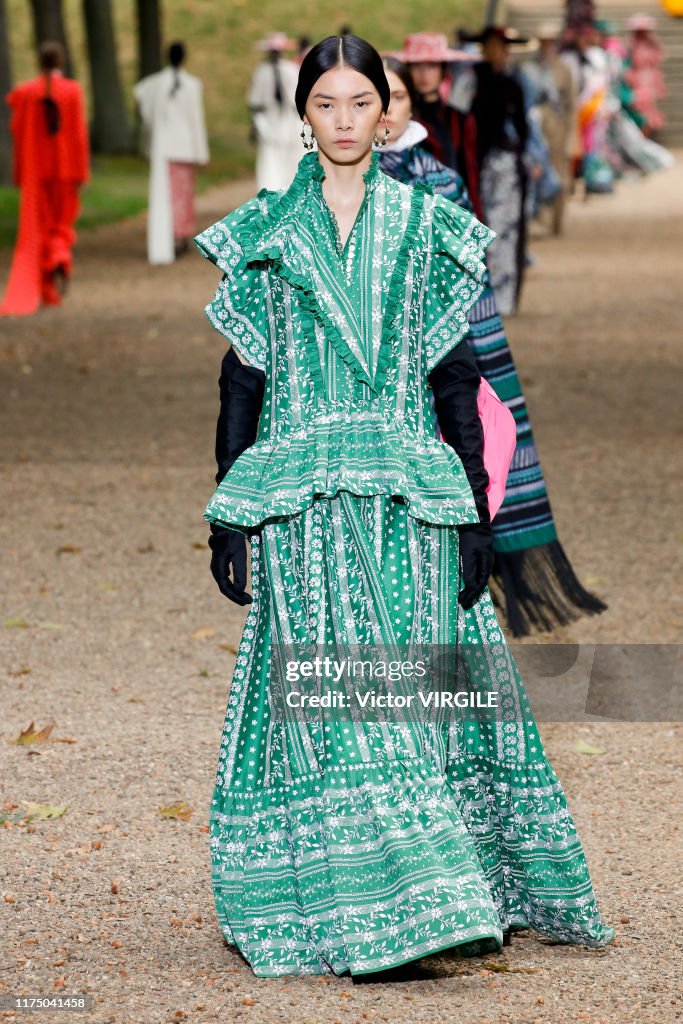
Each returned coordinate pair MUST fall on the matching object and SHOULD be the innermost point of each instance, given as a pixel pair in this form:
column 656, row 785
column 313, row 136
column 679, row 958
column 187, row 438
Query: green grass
column 220, row 36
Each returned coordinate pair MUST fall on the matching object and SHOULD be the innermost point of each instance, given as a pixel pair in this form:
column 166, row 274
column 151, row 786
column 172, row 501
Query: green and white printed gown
column 359, row 848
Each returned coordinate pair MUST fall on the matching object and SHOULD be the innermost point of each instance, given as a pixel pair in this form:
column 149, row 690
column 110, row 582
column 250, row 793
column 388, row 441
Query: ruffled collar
column 284, row 234
column 310, row 169
column 414, row 134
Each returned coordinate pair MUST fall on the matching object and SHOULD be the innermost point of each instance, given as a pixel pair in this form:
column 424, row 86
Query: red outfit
column 182, row 176
column 48, row 168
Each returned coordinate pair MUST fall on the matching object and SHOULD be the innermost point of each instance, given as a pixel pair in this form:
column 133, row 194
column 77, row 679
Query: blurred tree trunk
column 5, row 86
column 48, row 24
column 149, row 36
column 110, row 130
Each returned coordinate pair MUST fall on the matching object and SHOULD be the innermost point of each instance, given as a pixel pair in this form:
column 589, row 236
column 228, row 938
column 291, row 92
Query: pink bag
column 500, row 441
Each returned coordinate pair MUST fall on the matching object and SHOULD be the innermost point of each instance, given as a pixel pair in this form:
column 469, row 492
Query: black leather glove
column 455, row 383
column 229, row 551
column 241, row 391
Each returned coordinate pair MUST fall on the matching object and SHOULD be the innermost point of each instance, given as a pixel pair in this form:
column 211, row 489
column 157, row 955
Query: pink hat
column 277, row 41
column 428, row 47
column 641, row 23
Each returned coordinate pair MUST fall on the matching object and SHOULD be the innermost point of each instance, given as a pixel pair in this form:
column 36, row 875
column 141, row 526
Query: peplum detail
column 362, row 451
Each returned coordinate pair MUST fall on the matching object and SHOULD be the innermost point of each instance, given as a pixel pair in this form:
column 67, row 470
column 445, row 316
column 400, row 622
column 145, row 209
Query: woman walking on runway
column 532, row 576
column 357, row 845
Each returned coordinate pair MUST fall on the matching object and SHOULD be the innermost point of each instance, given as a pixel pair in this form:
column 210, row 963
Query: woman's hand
column 229, row 552
column 476, row 554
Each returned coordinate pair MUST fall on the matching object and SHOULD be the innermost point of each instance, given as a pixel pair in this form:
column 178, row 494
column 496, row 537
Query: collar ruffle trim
column 269, row 238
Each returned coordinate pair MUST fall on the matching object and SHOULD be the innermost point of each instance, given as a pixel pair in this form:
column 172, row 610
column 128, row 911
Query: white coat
column 176, row 130
column 278, row 126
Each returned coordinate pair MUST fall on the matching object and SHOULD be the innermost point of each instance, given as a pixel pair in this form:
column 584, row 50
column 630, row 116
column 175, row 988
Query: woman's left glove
column 229, row 554
column 476, row 553
column 455, row 383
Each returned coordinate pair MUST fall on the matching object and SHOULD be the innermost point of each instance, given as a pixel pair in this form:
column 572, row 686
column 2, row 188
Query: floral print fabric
column 342, row 845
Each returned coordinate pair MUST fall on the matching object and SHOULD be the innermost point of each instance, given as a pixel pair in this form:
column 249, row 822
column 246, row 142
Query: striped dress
column 533, row 579
column 349, row 840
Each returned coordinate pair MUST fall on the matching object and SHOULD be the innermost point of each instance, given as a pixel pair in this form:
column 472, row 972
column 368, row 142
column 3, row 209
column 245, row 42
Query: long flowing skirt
column 532, row 575
column 356, row 845
column 45, row 238
column 182, row 179
column 503, row 194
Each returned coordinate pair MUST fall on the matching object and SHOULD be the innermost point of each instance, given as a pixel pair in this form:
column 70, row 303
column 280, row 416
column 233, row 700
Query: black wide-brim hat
column 502, row 32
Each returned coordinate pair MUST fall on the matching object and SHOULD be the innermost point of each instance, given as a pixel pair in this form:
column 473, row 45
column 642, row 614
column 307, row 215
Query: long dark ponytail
column 51, row 58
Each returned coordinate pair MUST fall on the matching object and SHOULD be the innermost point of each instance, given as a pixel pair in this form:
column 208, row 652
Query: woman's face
column 399, row 112
column 495, row 51
column 344, row 110
column 427, row 76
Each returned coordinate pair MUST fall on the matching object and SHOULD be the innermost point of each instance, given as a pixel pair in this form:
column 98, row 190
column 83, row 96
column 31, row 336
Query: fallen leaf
column 203, row 633
column 46, row 624
column 108, row 586
column 228, row 647
column 585, row 748
column 31, row 736
column 16, row 623
column 178, row 810
column 41, row 812
column 21, row 671
column 68, row 549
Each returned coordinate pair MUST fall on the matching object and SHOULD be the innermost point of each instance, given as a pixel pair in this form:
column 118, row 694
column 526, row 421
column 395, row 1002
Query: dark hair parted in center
column 341, row 51
column 403, row 72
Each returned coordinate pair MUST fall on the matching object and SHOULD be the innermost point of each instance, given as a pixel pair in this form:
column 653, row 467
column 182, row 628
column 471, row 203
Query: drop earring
column 307, row 145
column 387, row 133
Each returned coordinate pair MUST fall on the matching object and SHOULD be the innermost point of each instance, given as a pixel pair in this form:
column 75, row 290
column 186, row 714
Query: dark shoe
column 411, row 971
column 50, row 296
column 61, row 279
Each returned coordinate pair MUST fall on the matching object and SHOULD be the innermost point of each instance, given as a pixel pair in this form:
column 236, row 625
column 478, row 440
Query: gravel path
column 114, row 631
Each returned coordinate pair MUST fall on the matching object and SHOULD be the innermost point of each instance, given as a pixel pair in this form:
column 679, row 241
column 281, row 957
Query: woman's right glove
column 455, row 384
column 241, row 390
